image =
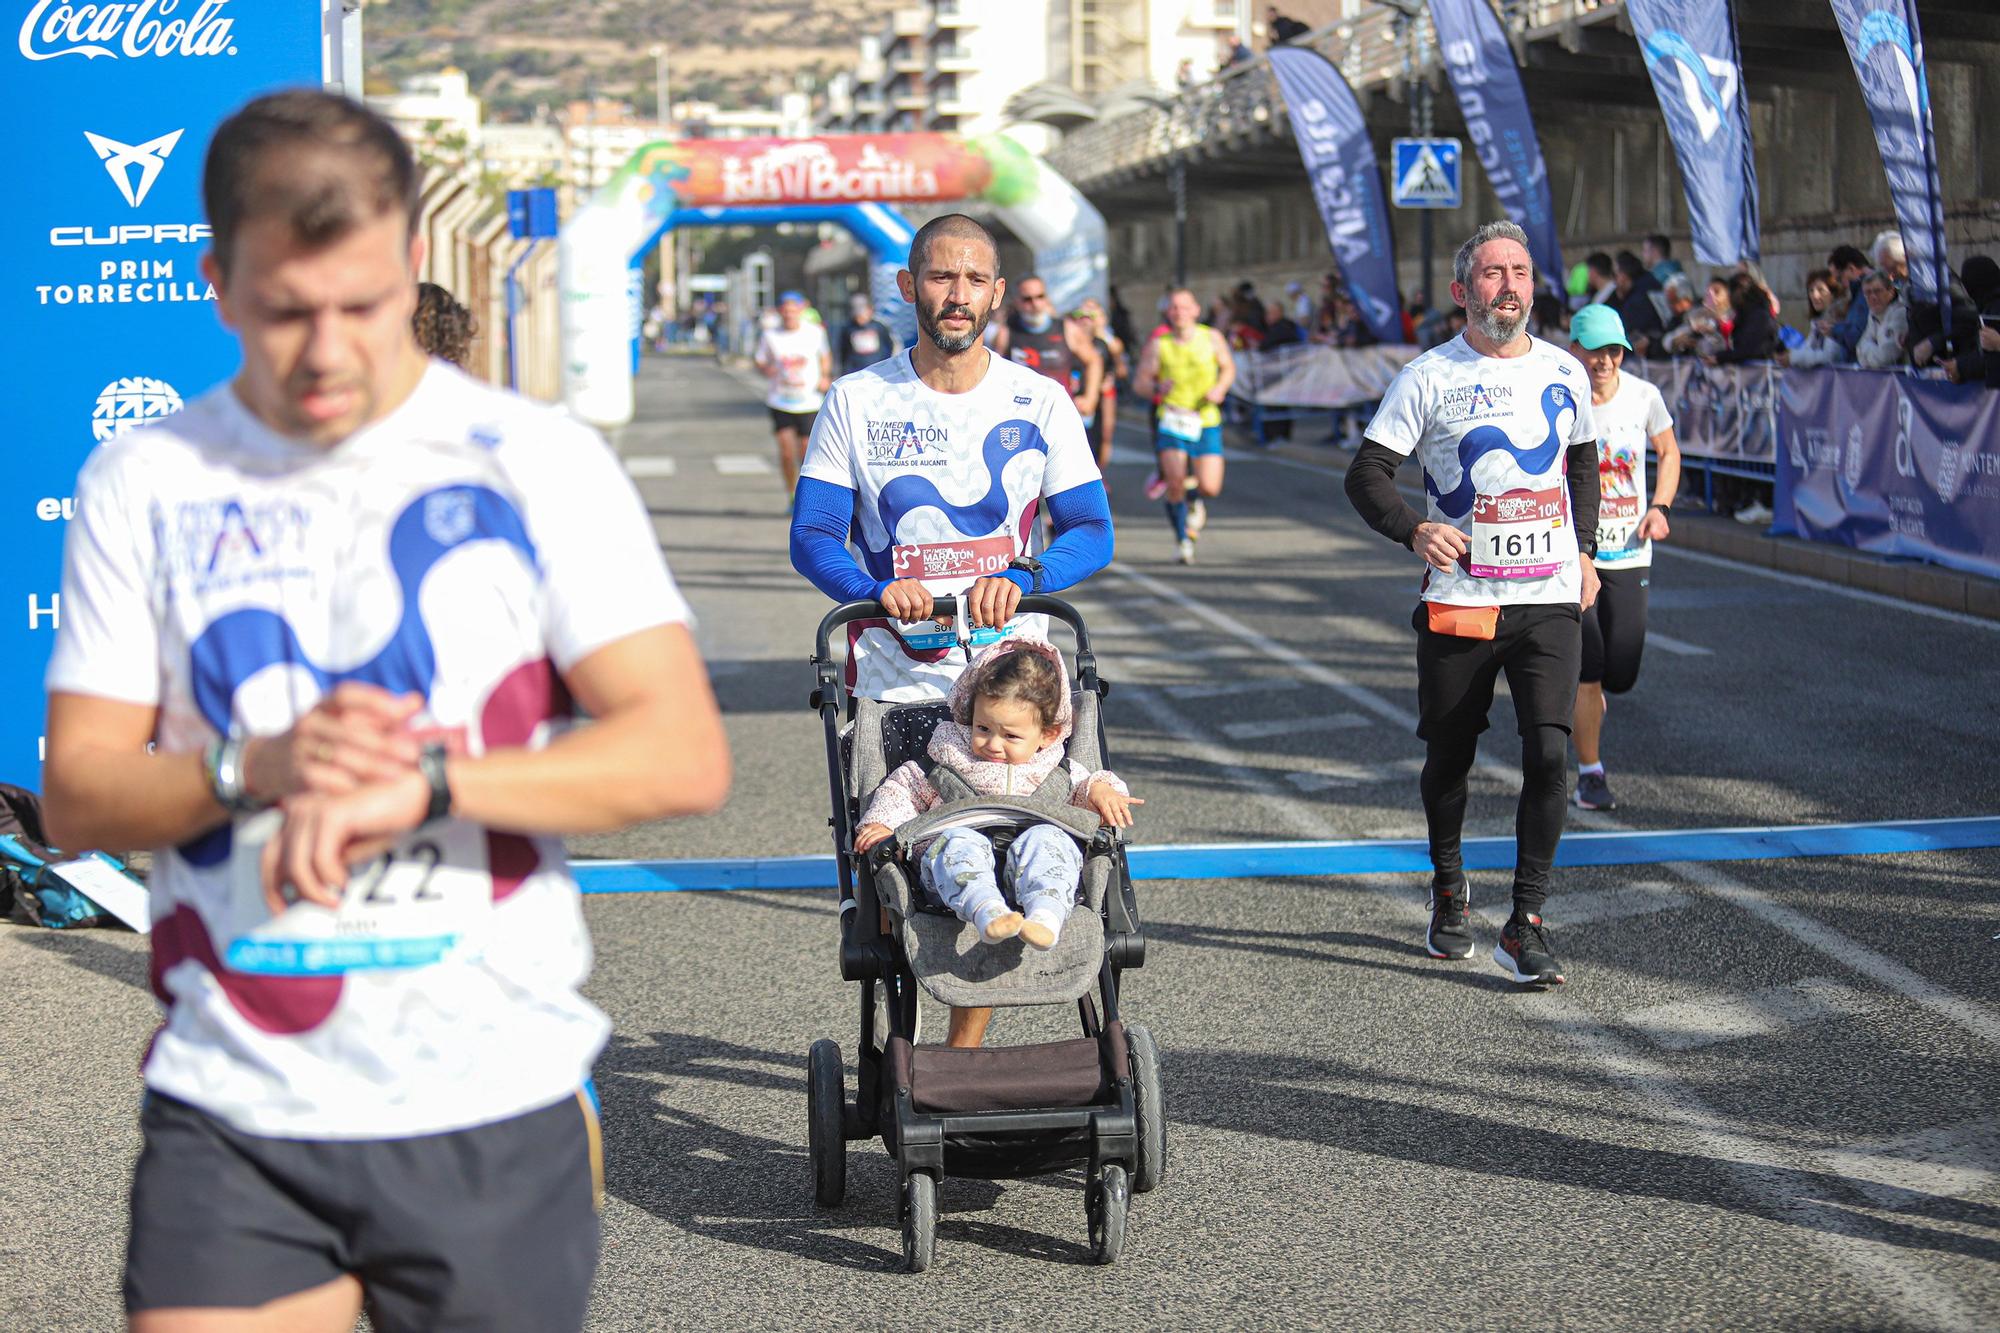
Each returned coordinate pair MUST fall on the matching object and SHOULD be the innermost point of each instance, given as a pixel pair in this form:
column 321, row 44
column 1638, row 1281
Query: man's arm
column 1084, row 349
column 822, row 514
column 1585, row 491
column 1225, row 361
column 1371, row 489
column 1083, row 545
column 1145, row 381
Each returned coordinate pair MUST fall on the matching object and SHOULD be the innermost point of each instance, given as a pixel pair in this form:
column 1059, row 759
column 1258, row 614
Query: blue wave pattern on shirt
column 908, row 493
column 242, row 643
column 1483, row 440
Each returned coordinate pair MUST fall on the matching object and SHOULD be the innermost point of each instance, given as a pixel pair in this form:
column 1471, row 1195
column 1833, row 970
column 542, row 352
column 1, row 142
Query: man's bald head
column 950, row 227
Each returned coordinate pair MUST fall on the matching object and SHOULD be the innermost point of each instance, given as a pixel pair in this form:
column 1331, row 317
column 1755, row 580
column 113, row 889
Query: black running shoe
column 1450, row 933
column 1593, row 792
column 1523, row 952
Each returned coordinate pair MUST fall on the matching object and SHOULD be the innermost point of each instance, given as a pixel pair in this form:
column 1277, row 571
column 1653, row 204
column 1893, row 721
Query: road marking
column 1219, row 689
column 650, row 465
column 1655, row 639
column 1287, row 726
column 1687, row 1025
column 742, row 465
column 1131, row 631
column 1215, row 652
column 1821, row 585
column 1782, row 1175
column 1639, row 898
column 1684, row 850
column 1327, row 773
column 1982, row 1021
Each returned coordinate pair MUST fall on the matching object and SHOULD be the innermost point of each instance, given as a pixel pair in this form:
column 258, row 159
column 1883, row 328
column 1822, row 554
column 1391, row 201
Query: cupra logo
column 134, row 167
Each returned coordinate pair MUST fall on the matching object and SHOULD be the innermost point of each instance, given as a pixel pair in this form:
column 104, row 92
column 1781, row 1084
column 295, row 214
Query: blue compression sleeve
column 822, row 513
column 1083, row 542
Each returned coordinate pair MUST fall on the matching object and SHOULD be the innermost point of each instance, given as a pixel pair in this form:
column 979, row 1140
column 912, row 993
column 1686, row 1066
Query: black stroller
column 1092, row 1101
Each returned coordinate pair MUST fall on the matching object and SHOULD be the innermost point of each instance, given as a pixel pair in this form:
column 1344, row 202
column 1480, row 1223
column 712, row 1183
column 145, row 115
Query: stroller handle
column 1032, row 604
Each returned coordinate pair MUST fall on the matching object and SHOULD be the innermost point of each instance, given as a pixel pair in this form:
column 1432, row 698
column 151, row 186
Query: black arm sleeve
column 1584, row 493
column 1371, row 489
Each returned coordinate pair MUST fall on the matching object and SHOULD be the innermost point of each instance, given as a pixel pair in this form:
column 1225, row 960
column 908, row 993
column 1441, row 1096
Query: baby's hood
column 967, row 685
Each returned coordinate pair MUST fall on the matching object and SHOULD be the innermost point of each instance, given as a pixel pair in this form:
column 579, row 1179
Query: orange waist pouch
column 1463, row 622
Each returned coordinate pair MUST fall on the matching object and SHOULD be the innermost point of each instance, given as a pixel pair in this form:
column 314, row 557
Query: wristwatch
column 222, row 764
column 430, row 762
column 1030, row 566
column 1587, row 547
column 1666, row 511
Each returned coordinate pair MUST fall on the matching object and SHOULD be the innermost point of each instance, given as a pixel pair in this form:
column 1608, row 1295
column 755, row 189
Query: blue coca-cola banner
column 1891, row 464
column 1346, row 182
column 1887, row 48
column 1480, row 63
column 106, row 321
column 1690, row 50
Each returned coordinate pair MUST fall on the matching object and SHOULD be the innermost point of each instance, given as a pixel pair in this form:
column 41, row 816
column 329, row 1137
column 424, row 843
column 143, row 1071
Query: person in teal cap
column 1631, row 416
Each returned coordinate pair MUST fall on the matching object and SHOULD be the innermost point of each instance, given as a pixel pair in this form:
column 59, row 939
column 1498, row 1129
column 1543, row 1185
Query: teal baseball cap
column 1597, row 326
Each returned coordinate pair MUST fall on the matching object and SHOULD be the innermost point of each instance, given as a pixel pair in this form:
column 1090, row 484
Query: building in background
column 432, row 108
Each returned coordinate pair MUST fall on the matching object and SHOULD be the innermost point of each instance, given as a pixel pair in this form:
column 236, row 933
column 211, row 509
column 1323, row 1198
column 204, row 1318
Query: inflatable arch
column 838, row 178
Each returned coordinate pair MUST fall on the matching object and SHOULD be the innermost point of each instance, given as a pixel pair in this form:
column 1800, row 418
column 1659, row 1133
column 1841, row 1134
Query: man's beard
column 1497, row 326
column 944, row 342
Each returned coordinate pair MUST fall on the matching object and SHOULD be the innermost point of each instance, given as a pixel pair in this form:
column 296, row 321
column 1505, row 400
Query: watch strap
column 430, row 762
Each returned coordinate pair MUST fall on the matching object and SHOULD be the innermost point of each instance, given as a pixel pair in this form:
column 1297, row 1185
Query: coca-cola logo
column 145, row 28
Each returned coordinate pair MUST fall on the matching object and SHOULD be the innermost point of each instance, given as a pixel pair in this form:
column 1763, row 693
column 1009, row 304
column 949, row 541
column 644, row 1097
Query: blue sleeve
column 1083, row 543
column 822, row 513
column 1853, row 324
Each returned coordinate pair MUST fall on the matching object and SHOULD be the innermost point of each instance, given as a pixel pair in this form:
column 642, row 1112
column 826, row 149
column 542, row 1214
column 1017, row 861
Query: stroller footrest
column 946, row 1079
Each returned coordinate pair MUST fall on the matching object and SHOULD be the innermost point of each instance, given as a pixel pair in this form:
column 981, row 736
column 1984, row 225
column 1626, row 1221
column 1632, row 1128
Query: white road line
column 1266, row 728
column 1821, row 585
column 651, row 465
column 1979, row 1020
column 1770, row 1170
column 742, row 465
column 1322, row 774
column 1128, row 631
column 1680, row 647
column 1223, row 688
column 1686, row 1025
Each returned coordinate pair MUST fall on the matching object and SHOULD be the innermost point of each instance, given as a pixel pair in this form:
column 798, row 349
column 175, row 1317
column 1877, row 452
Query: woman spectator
column 1753, row 333
column 1349, row 329
column 1881, row 345
column 1824, row 308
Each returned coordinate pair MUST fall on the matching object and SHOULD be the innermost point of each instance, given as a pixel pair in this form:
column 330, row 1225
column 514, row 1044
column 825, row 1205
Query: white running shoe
column 1754, row 512
column 1187, row 550
column 1197, row 516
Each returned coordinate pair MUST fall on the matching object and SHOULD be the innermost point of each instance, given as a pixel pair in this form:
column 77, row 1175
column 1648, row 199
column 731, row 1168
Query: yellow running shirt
column 1191, row 368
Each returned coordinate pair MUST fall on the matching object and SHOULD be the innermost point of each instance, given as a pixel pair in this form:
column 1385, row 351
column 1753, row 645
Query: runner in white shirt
column 798, row 361
column 926, row 477
column 1630, row 416
column 1501, row 423
column 320, row 636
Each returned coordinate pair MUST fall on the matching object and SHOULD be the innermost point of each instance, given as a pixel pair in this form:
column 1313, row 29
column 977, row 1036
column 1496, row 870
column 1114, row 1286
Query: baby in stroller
column 1010, row 715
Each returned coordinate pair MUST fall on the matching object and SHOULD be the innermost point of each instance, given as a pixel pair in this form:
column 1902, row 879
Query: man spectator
column 1658, row 252
column 1678, row 293
column 1282, row 28
column 1281, row 330
column 1637, row 300
column 1601, row 280
column 1891, row 260
column 864, row 339
column 1880, row 346
column 1975, row 359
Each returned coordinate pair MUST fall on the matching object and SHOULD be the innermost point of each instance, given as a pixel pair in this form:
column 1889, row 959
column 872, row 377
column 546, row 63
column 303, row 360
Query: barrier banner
column 1887, row 48
column 1691, row 52
column 1346, row 182
column 1312, row 375
column 1480, row 63
column 107, row 322
column 1891, row 464
column 1725, row 413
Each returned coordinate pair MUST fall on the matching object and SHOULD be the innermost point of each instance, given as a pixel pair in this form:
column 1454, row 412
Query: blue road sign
column 1425, row 173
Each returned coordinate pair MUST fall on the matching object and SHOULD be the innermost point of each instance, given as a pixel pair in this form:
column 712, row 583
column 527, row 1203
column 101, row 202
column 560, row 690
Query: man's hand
column 1989, row 338
column 907, row 599
column 1114, row 807
column 326, row 833
column 1653, row 525
column 1590, row 582
column 869, row 836
column 1440, row 544
column 356, row 735
column 1215, row 395
column 992, row 601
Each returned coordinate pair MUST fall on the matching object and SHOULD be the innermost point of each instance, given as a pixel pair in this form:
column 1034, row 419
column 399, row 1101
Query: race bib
column 424, row 901
column 1514, row 535
column 865, row 342
column 1617, row 522
column 973, row 558
column 1182, row 423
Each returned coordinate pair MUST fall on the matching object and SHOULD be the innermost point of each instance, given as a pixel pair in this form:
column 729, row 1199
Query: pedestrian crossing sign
column 1426, row 173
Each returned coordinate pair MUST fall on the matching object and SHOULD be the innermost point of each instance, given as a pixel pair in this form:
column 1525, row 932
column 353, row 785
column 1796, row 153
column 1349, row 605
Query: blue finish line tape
column 1271, row 860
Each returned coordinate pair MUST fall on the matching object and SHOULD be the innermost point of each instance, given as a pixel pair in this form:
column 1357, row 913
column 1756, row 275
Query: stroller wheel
column 919, row 1221
column 1152, row 1116
column 826, row 1098
column 1105, row 1201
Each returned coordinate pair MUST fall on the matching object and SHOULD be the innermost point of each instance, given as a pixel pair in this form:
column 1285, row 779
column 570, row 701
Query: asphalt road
column 1766, row 1099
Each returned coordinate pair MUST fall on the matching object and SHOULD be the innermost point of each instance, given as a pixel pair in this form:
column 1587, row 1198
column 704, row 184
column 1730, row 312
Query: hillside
column 521, row 54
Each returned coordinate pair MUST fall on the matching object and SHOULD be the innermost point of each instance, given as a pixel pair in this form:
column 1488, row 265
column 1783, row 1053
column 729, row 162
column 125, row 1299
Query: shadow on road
column 89, row 951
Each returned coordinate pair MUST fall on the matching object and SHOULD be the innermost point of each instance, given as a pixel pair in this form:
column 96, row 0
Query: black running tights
column 1538, row 819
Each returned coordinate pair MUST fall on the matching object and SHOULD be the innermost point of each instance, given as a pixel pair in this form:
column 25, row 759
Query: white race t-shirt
column 947, row 489
column 468, row 546
column 1635, row 414
column 796, row 353
column 1493, row 434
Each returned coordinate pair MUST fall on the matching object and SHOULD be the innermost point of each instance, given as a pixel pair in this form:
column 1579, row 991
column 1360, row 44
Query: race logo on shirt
column 1010, row 438
column 220, row 543
column 905, row 443
column 979, row 557
column 1475, row 402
